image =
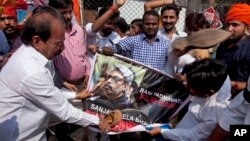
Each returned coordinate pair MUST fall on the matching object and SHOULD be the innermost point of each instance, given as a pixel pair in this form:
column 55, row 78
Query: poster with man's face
column 144, row 95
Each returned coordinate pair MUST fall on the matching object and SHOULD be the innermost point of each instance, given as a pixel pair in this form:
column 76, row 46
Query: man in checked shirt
column 147, row 48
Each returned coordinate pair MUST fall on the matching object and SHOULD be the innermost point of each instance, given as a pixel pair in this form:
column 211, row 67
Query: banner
column 212, row 18
column 143, row 94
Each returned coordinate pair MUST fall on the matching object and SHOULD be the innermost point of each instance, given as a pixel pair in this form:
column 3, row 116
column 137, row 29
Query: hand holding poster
column 144, row 95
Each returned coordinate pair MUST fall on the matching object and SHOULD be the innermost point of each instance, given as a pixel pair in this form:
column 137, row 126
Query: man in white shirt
column 28, row 97
column 101, row 32
column 237, row 113
column 169, row 17
column 203, row 79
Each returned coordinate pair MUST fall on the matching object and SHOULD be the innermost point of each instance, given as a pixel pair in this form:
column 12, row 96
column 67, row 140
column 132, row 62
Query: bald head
column 40, row 24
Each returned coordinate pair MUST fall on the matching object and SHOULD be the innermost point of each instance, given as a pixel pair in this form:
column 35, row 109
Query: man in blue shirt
column 147, row 48
column 235, row 51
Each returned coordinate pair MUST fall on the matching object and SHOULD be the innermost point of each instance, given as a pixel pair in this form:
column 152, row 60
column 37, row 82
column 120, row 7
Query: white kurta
column 28, row 98
column 237, row 113
column 197, row 124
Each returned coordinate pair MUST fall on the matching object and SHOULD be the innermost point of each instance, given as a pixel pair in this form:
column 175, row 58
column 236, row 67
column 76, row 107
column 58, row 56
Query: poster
column 144, row 95
column 212, row 18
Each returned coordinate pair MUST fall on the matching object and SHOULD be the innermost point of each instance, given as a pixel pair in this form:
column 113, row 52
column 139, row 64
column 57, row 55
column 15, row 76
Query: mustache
column 166, row 23
column 12, row 27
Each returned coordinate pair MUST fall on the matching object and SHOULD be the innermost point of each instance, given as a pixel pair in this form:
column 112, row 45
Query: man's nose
column 68, row 15
column 230, row 28
column 108, row 80
column 150, row 25
column 6, row 21
column 167, row 20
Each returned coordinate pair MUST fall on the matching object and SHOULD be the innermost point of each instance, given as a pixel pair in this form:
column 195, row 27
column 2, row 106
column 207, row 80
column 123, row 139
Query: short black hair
column 137, row 22
column 151, row 12
column 171, row 7
column 60, row 4
column 196, row 21
column 106, row 8
column 122, row 24
column 205, row 75
column 39, row 26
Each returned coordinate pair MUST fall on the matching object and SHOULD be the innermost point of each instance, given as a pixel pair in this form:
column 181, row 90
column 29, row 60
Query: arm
column 199, row 132
column 123, row 45
column 155, row 4
column 106, row 16
column 186, row 131
column 40, row 89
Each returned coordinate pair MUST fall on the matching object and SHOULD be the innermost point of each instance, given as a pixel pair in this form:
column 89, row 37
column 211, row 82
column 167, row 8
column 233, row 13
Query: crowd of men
column 45, row 62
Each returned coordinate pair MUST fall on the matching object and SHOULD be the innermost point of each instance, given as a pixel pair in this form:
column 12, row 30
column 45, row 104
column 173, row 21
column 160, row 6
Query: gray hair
column 126, row 72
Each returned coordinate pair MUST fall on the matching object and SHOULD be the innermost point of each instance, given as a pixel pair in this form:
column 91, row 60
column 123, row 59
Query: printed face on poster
column 144, row 95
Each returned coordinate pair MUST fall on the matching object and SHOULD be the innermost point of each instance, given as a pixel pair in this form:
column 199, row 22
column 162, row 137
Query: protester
column 121, row 28
column 4, row 47
column 235, row 51
column 28, row 97
column 101, row 32
column 147, row 48
column 237, row 113
column 182, row 52
column 169, row 17
column 135, row 27
column 195, row 22
column 72, row 63
column 202, row 80
column 9, row 25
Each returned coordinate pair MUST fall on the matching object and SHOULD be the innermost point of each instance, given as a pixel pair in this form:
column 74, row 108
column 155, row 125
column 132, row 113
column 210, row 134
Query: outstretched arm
column 106, row 16
column 155, row 4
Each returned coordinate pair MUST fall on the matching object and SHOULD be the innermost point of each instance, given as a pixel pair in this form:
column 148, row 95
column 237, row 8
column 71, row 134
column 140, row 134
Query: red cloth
column 239, row 12
column 10, row 10
column 1, row 10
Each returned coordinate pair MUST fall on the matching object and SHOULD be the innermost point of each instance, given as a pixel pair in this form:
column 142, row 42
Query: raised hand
column 119, row 3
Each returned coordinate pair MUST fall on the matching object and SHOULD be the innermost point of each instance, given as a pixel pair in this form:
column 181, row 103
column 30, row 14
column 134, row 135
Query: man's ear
column 126, row 87
column 247, row 30
column 36, row 42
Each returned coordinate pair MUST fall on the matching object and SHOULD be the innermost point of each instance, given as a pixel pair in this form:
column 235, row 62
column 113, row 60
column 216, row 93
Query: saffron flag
column 143, row 94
